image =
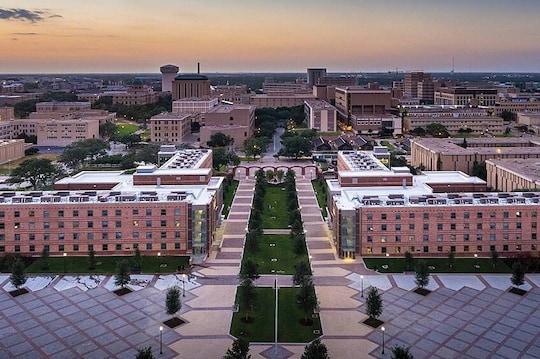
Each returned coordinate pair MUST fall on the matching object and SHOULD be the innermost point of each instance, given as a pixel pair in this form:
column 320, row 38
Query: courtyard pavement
column 465, row 316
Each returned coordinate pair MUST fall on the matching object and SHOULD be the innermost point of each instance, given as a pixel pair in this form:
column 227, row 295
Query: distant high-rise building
column 313, row 75
column 168, row 73
column 418, row 84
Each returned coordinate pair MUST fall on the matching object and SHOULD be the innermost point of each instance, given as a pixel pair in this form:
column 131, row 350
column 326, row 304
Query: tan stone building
column 517, row 104
column 419, row 85
column 11, row 150
column 447, row 154
column 279, row 100
column 516, row 174
column 356, row 100
column 320, row 115
column 7, row 113
column 194, row 105
column 237, row 121
column 463, row 96
column 191, row 86
column 171, row 128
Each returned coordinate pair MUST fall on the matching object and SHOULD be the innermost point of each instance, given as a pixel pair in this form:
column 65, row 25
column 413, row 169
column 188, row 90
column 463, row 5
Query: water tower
column 168, row 73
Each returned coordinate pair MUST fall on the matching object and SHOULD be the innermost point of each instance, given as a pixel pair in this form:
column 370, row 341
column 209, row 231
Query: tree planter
column 173, row 322
column 17, row 292
column 122, row 291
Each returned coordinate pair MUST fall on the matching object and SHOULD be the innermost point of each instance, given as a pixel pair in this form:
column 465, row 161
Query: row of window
column 452, row 237
column 90, row 224
column 466, row 249
column 90, row 247
column 453, row 226
column 453, row 215
column 91, row 212
column 90, row 236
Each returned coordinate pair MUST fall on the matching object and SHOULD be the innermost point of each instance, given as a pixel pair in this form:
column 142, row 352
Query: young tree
column 518, row 274
column 17, row 277
column 239, row 350
column 421, row 274
column 279, row 175
column 306, row 298
column 374, row 304
column 315, row 350
column 172, row 301
column 401, row 352
column 45, row 259
column 144, row 353
column 122, row 277
column 409, row 260
column 219, row 139
column 302, row 271
column 451, row 259
column 494, row 259
column 137, row 259
column 247, row 296
column 249, row 270
column 92, row 259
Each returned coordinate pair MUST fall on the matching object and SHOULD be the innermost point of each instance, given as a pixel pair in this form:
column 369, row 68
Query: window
column 533, row 225
column 383, row 239
column 76, row 224
column 105, row 235
column 453, row 226
column 135, row 234
column 383, row 215
column 177, row 245
column 439, row 248
column 16, row 214
column 104, row 224
column 398, row 227
column 426, row 249
column 163, row 245
column 148, row 223
column 163, row 212
column 466, row 237
column 369, row 216
column 398, row 238
column 398, row 215
column 118, row 213
column 2, row 225
column 411, row 215
column 46, row 225
column 17, row 237
column 492, row 226
column 411, row 238
column 411, row 226
column 90, row 247
column 118, row 247
column 439, row 226
column 105, row 247
column 439, row 237
column 465, row 248
column 118, row 224
column 163, row 223
column 505, row 225
column 61, row 248
column 90, row 213
column 479, row 215
column 2, row 214
column 75, row 213
column 533, row 247
column 426, row 227
column 426, row 215
column 61, row 236
column 75, row 247
column 163, row 235
column 453, row 215
column 31, row 214
column 148, row 212
column 32, row 248
column 479, row 248
column 505, row 236
column 177, row 235
column 518, row 214
column 32, row 237
column 425, row 238
column 149, row 235
column 466, row 226
column 439, row 215
column 534, row 214
column 492, row 237
column 60, row 213
column 369, row 238
column 479, row 236
column 383, row 249
column 533, row 236
column 90, row 235
column 46, row 214
column 135, row 212
column 466, row 215
column 505, row 247
column 506, row 215
column 177, row 224
column 383, row 227
column 518, row 225
column 60, row 224
column 149, row 246
column 90, row 224
column 75, row 236
column 177, row 211
column 104, row 213
column 452, row 248
column 46, row 236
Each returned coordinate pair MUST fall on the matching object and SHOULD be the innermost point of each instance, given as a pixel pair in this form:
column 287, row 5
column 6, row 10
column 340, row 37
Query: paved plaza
column 465, row 316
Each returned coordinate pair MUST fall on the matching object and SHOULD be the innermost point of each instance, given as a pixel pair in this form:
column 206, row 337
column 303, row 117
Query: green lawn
column 124, row 129
column 462, row 265
column 321, row 196
column 73, row 264
column 275, row 246
column 275, row 214
column 262, row 329
column 391, row 147
column 228, row 197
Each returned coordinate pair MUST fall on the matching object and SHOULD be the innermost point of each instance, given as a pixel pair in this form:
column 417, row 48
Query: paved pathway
column 466, row 316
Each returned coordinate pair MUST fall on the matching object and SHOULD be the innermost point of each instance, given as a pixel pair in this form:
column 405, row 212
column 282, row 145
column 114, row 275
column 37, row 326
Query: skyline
column 347, row 36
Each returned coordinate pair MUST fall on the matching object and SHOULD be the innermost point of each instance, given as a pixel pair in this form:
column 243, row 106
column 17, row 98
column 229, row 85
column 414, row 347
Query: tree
column 302, row 272
column 92, row 259
column 279, row 175
column 479, row 170
column 295, row 146
column 315, row 350
column 464, row 144
column 494, row 258
column 122, row 277
column 508, row 115
column 255, row 146
column 374, row 304
column 518, row 274
column 45, row 259
column 221, row 157
column 451, row 259
column 172, row 301
column 37, row 171
column 409, row 260
column 107, row 129
column 148, row 153
column 144, row 353
column 17, row 277
column 247, row 296
column 401, row 352
column 219, row 139
column 249, row 270
column 239, row 350
column 137, row 259
column 78, row 153
column 437, row 130
column 421, row 274
column 306, row 298
column 419, row 131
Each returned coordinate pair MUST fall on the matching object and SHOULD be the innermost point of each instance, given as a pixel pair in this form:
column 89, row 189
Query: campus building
column 171, row 128
column 429, row 215
column 449, row 154
column 279, row 100
column 320, row 115
column 464, row 96
column 236, row 121
column 513, row 174
column 194, row 105
column 191, row 86
column 171, row 209
column 419, row 85
column 363, row 101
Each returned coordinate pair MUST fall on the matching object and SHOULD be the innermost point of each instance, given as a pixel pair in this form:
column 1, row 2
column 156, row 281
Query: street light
column 382, row 330
column 183, row 285
column 64, row 255
column 161, row 340
column 362, row 281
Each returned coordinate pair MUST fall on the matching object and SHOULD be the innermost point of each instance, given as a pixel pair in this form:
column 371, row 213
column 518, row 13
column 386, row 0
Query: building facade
column 463, row 96
column 168, row 73
column 171, row 128
column 320, row 115
column 191, row 86
column 237, row 121
column 517, row 174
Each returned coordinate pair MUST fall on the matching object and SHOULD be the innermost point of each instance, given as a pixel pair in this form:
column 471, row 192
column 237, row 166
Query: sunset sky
column 66, row 36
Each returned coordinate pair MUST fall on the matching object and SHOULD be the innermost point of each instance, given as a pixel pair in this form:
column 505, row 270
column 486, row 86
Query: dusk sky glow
column 66, row 36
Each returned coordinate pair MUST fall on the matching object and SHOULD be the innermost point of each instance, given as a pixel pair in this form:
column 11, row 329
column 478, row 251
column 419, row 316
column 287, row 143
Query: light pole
column 362, row 281
column 64, row 255
column 159, row 262
column 276, row 318
column 475, row 261
column 161, row 340
column 382, row 330
column 183, row 285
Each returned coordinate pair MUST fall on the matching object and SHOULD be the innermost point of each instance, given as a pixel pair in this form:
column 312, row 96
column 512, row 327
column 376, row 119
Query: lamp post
column 159, row 262
column 160, row 340
column 276, row 318
column 183, row 285
column 64, row 255
column 382, row 330
column 362, row 281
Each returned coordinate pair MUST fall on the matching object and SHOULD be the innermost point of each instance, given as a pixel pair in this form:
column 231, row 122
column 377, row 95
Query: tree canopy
column 222, row 157
column 239, row 350
column 254, row 146
column 18, row 277
column 437, row 130
column 219, row 139
column 122, row 276
column 39, row 172
column 78, row 153
column 374, row 304
column 172, row 301
column 316, row 350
